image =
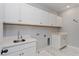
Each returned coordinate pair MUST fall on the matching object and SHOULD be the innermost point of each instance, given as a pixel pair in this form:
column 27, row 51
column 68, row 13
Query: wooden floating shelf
column 39, row 25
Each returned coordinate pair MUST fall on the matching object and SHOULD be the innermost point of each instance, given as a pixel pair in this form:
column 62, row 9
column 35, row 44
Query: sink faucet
column 19, row 35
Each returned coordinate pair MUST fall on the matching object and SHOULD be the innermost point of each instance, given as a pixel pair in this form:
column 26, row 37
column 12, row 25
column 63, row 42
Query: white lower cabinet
column 15, row 54
column 31, row 51
column 27, row 49
column 59, row 40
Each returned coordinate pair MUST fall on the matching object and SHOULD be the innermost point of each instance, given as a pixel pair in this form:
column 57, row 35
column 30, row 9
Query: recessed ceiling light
column 67, row 6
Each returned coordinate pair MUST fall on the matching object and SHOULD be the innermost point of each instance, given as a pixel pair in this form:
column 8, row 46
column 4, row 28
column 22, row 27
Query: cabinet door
column 29, row 51
column 52, row 20
column 59, row 21
column 55, row 41
column 1, row 10
column 29, row 14
column 44, row 18
column 14, row 54
column 63, row 41
column 12, row 12
column 34, row 16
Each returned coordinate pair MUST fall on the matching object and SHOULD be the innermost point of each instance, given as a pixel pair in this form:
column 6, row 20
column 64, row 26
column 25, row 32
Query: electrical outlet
column 37, row 34
column 44, row 35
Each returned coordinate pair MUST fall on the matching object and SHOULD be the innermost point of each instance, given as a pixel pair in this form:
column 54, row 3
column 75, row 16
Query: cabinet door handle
column 19, row 54
column 19, row 20
column 40, row 22
column 51, row 24
column 22, row 53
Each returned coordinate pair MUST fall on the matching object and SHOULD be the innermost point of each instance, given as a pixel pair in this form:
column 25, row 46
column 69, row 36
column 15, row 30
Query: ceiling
column 57, row 7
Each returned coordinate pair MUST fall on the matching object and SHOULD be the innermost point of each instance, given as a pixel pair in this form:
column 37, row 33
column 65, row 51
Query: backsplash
column 42, row 34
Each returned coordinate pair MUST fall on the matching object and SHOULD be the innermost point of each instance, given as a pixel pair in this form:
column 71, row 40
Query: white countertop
column 9, row 42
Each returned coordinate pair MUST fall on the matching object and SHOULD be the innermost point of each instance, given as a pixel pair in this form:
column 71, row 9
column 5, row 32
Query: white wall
column 1, row 10
column 71, row 27
column 1, row 20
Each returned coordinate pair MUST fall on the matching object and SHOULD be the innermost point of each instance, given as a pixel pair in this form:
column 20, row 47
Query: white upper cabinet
column 59, row 21
column 52, row 19
column 29, row 15
column 55, row 20
column 35, row 16
column 20, row 13
column 1, row 10
column 11, row 12
column 32, row 15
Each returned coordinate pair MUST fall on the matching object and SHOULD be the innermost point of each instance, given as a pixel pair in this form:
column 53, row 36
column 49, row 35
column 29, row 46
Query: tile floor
column 67, row 51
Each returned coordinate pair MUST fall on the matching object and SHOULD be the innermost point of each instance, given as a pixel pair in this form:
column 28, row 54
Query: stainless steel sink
column 17, row 41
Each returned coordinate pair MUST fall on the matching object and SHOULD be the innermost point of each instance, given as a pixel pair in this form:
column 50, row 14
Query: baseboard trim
column 73, row 47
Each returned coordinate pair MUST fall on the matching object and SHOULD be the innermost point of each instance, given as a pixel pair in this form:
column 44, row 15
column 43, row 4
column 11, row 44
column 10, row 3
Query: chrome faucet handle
column 21, row 37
